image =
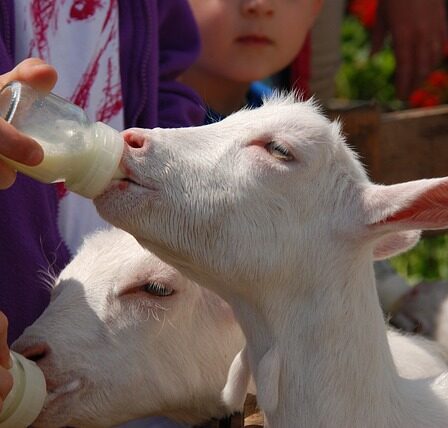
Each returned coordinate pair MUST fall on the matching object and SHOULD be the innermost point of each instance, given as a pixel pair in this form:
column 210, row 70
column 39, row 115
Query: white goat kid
column 270, row 209
column 127, row 336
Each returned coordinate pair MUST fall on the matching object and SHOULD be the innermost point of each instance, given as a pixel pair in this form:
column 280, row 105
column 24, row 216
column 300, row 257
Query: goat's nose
column 35, row 352
column 134, row 139
column 257, row 7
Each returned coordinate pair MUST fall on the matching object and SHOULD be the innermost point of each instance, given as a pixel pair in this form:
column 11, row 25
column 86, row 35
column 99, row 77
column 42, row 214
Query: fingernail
column 35, row 156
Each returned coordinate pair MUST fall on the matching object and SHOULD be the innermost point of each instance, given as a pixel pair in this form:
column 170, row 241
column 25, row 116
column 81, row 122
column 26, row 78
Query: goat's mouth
column 128, row 179
column 133, row 184
column 125, row 182
column 59, row 397
column 62, row 390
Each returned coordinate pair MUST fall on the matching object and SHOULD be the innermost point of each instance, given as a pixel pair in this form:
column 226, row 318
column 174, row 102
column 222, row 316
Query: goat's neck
column 336, row 369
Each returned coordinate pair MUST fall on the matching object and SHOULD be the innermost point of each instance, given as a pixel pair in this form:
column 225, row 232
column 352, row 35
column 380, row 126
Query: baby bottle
column 26, row 398
column 82, row 154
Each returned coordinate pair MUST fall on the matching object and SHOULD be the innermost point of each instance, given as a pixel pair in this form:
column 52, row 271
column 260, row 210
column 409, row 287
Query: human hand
column 5, row 362
column 419, row 33
column 14, row 144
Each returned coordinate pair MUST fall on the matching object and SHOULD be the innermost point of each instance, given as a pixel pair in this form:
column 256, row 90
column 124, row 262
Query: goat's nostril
column 36, row 352
column 134, row 139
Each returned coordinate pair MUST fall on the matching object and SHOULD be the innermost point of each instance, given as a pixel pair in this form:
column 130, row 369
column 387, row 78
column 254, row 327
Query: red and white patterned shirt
column 80, row 38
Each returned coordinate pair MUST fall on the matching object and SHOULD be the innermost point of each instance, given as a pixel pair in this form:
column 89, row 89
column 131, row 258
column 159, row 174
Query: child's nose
column 258, row 7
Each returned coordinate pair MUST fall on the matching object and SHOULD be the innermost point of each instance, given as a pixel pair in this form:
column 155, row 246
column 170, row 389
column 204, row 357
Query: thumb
column 35, row 72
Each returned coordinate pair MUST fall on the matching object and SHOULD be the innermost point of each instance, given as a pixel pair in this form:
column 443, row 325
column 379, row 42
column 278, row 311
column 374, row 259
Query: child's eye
column 279, row 151
column 157, row 289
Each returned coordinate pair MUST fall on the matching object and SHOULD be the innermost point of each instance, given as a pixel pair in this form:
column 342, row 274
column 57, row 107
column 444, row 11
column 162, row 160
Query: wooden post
column 252, row 418
column 414, row 144
column 399, row 146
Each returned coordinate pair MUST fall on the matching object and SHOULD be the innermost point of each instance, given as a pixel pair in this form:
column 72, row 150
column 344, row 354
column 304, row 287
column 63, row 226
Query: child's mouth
column 254, row 39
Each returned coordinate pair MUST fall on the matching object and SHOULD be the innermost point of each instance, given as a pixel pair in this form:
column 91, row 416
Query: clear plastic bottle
column 83, row 154
column 26, row 398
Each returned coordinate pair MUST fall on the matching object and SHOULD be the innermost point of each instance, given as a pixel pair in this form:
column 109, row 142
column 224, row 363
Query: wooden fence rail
column 399, row 146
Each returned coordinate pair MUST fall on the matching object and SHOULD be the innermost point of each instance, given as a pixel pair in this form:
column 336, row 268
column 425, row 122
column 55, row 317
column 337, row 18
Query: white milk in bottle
column 83, row 154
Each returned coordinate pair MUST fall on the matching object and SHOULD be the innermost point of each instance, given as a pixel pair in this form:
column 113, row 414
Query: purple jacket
column 158, row 40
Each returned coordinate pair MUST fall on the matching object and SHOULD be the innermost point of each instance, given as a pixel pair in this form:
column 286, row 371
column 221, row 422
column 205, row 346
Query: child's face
column 247, row 40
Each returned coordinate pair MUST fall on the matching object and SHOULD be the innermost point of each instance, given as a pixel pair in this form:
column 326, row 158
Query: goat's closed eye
column 157, row 289
column 278, row 151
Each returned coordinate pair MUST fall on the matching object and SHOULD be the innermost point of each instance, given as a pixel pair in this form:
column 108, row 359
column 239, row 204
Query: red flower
column 438, row 79
column 416, row 98
column 431, row 100
column 423, row 98
column 365, row 11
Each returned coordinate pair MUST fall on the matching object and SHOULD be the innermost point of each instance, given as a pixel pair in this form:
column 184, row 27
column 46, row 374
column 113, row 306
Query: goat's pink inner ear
column 430, row 207
column 395, row 243
column 134, row 139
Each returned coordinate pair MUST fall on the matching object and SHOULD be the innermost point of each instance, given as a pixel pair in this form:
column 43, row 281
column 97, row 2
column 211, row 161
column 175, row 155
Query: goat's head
column 262, row 196
column 126, row 336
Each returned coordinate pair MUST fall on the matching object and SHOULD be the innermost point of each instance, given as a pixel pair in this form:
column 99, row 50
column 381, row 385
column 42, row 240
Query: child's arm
column 179, row 105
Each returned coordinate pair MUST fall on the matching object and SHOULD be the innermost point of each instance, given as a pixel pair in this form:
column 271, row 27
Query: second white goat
column 127, row 336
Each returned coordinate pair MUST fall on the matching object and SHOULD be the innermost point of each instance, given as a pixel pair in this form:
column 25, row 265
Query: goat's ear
column 398, row 211
column 395, row 243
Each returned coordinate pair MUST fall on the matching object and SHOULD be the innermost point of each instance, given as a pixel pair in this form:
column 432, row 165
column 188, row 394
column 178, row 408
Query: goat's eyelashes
column 278, row 151
column 157, row 289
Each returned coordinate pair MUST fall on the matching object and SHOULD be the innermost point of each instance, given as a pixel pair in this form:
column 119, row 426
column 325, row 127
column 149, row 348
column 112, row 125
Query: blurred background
column 368, row 77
